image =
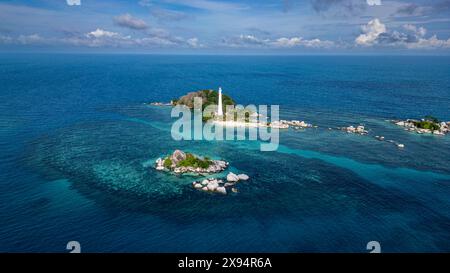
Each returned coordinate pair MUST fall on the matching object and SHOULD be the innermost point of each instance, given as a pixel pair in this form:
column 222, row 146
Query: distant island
column 426, row 125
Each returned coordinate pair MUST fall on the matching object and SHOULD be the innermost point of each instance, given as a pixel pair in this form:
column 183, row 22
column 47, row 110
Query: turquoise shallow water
column 76, row 139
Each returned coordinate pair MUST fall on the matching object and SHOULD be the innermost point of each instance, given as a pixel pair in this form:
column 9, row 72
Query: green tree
column 167, row 163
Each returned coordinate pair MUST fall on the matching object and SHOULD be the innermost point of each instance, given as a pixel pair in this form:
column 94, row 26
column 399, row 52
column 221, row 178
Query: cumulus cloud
column 100, row 33
column 432, row 42
column 194, row 43
column 371, row 31
column 73, row 2
column 419, row 31
column 128, row 21
column 102, row 38
column 375, row 33
column 6, row 39
column 154, row 41
column 299, row 41
column 30, row 39
column 251, row 41
column 151, row 38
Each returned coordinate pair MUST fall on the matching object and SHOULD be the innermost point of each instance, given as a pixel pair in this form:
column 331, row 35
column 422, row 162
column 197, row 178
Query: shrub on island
column 427, row 124
column 193, row 161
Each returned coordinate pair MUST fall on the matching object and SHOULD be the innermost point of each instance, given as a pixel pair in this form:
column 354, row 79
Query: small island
column 180, row 162
column 426, row 125
column 213, row 97
column 239, row 117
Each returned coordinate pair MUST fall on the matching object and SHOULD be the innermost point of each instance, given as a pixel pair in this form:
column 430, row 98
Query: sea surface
column 76, row 139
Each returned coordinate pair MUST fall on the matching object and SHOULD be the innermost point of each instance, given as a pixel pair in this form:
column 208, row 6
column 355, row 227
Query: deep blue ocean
column 76, row 134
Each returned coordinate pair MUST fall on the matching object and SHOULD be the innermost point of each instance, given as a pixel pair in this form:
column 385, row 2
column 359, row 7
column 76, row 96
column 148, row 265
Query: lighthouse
column 219, row 106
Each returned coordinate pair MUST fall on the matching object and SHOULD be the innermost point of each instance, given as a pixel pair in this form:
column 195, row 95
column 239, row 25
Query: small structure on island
column 219, row 106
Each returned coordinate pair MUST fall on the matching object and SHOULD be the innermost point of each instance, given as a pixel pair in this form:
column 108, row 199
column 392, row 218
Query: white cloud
column 6, row 39
column 249, row 41
column 128, row 21
column 194, row 43
column 299, row 41
column 371, row 31
column 30, row 39
column 376, row 33
column 154, row 38
column 287, row 42
column 419, row 31
column 430, row 43
column 374, row 2
column 154, row 41
column 100, row 33
column 73, row 2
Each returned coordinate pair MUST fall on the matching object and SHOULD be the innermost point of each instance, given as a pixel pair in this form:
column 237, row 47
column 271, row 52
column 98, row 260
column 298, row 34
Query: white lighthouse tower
column 219, row 106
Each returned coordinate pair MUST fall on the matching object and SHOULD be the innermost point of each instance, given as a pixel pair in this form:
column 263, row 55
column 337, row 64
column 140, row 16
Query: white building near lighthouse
column 219, row 106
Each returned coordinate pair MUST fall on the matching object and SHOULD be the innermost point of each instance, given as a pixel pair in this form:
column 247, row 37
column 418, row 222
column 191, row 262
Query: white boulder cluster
column 215, row 166
column 285, row 124
column 410, row 125
column 210, row 185
column 218, row 185
column 360, row 130
column 278, row 125
column 231, row 177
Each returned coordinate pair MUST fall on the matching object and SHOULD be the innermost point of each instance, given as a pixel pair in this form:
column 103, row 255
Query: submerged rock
column 243, row 177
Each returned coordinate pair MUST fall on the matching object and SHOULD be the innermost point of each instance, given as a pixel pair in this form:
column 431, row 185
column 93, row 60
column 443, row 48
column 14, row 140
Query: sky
column 220, row 26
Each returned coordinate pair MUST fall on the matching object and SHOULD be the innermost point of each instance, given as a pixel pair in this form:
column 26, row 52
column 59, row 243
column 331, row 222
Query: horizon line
column 346, row 54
